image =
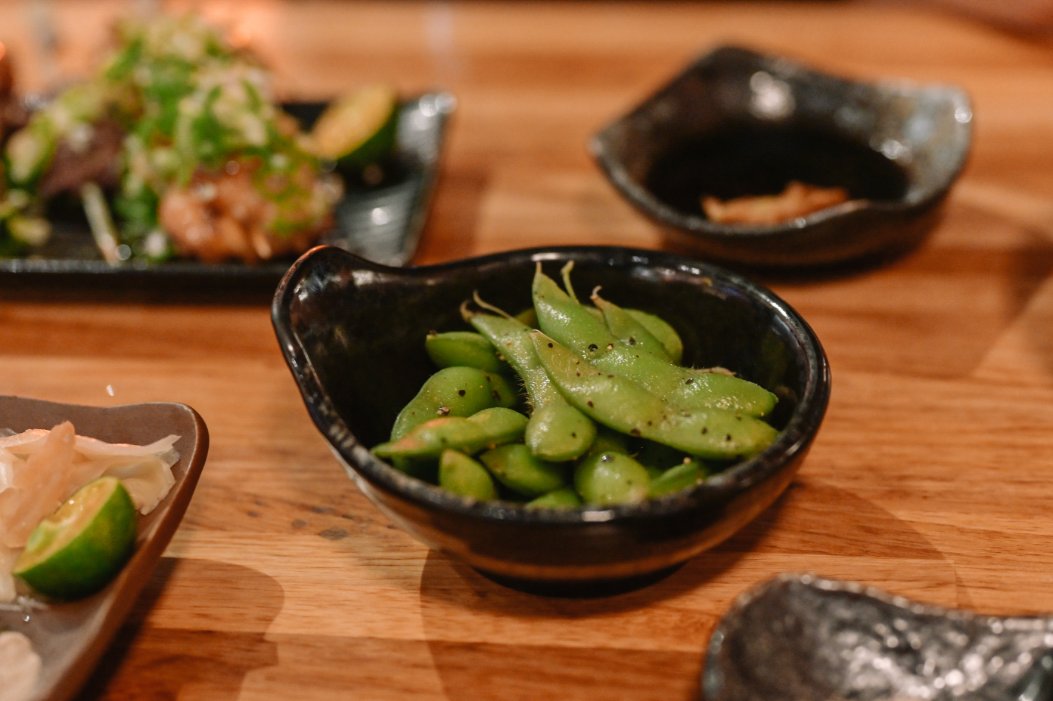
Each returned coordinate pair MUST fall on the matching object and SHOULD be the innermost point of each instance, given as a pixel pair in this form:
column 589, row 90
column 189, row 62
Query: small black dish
column 799, row 636
column 740, row 123
column 352, row 333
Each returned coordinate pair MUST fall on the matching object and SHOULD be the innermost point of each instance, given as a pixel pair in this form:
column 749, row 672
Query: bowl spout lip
column 315, row 268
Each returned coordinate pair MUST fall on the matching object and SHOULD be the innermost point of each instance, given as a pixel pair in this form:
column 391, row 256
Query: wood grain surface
column 931, row 476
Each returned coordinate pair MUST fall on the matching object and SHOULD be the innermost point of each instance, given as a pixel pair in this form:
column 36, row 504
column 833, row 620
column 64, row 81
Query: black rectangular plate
column 381, row 222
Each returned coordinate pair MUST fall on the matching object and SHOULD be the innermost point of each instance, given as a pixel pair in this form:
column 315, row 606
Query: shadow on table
column 486, row 639
column 148, row 662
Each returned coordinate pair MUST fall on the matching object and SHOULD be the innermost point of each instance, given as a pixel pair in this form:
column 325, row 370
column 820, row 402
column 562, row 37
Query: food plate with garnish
column 150, row 453
column 175, row 159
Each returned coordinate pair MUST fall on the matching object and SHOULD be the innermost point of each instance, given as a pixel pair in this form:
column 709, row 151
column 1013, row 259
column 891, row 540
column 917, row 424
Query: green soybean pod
column 556, row 430
column 569, row 322
column 628, row 329
column 623, row 405
column 460, row 474
column 609, row 478
column 572, row 325
column 455, row 391
column 462, row 348
column 609, row 440
column 484, row 429
column 658, row 458
column 429, row 439
column 514, row 466
column 677, row 478
column 528, row 317
column 663, row 331
column 562, row 498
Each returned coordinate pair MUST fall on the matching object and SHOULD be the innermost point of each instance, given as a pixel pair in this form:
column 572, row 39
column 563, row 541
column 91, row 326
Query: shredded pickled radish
column 7, row 583
column 19, row 667
column 40, row 469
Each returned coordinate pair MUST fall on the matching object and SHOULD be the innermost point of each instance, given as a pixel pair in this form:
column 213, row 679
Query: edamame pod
column 528, row 316
column 624, row 405
column 658, row 327
column 627, row 329
column 658, row 458
column 562, row 498
column 462, row 348
column 678, row 478
column 610, row 478
column 484, row 429
column 556, row 430
column 572, row 325
column 606, row 439
column 460, row 474
column 663, row 331
column 523, row 472
column 456, row 391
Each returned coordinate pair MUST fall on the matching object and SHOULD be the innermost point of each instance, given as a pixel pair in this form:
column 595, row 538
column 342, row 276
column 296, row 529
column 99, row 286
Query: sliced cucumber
column 359, row 128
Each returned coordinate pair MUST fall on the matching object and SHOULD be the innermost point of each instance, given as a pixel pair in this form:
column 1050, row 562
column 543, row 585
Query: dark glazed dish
column 71, row 637
column 804, row 637
column 737, row 123
column 352, row 333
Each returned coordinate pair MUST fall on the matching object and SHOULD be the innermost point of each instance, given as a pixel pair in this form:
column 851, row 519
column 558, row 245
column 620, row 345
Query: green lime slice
column 358, row 129
column 83, row 545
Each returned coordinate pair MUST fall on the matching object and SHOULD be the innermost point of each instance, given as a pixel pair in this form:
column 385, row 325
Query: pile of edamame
column 570, row 404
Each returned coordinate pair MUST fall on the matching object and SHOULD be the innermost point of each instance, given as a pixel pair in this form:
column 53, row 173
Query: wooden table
column 932, row 475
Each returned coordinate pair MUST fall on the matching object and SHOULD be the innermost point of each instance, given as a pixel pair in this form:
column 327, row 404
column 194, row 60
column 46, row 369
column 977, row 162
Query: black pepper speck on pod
column 461, row 392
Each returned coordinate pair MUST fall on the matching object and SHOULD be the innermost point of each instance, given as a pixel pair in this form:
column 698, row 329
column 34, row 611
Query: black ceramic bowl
column 352, row 333
column 737, row 123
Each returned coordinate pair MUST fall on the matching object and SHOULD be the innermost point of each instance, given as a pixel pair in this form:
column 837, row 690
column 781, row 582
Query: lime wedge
column 83, row 545
column 359, row 128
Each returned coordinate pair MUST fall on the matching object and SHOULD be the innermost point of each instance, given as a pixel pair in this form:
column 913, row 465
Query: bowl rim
column 793, row 440
column 662, row 213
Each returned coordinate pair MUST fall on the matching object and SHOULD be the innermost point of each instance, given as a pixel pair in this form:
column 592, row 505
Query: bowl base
column 572, row 589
